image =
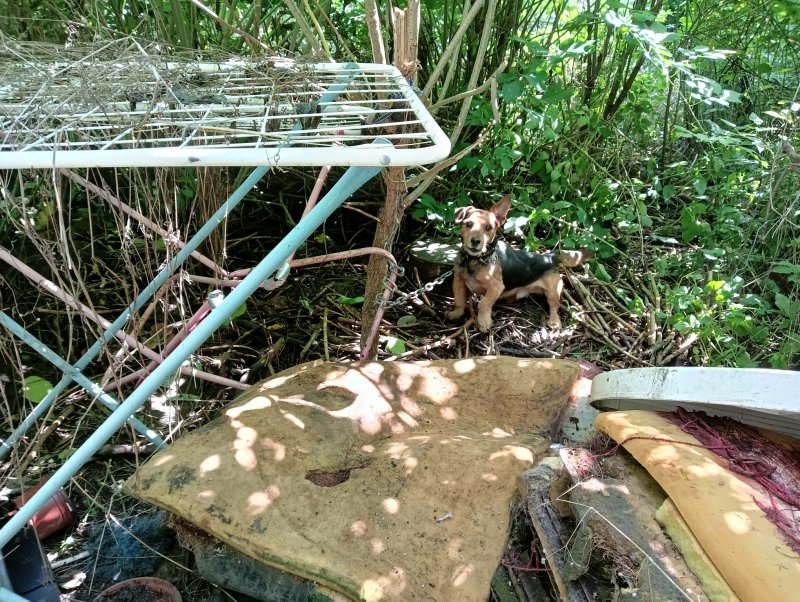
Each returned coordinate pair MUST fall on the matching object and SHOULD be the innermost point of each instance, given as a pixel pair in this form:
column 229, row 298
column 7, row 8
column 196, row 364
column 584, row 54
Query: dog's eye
column 468, row 224
column 489, row 227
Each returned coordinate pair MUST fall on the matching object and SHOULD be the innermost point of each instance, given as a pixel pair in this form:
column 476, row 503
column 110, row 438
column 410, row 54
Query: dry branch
column 490, row 83
column 488, row 27
column 374, row 28
column 254, row 43
column 452, row 46
column 305, row 28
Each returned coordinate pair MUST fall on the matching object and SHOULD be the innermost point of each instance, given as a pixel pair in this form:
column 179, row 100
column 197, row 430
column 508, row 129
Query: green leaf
column 786, row 306
column 786, row 267
column 600, row 272
column 682, row 326
column 349, row 300
column 395, row 346
column 406, row 321
column 743, row 360
column 556, row 93
column 645, row 219
column 66, row 453
column 239, row 311
column 700, row 185
column 776, row 115
column 512, row 90
column 713, row 254
column 691, row 225
column 579, row 48
column 36, row 388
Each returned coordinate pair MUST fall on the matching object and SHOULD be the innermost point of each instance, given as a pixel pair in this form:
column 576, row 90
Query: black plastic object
column 24, row 568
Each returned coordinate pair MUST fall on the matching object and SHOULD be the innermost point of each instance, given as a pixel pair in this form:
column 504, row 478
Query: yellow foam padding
column 717, row 504
column 385, row 480
column 714, row 584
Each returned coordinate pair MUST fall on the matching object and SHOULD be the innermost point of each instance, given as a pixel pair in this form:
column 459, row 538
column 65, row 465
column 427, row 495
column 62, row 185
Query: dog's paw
column 456, row 314
column 554, row 323
column 484, row 323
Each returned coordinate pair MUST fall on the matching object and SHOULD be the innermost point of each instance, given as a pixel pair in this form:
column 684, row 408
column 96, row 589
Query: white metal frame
column 193, row 114
column 346, row 115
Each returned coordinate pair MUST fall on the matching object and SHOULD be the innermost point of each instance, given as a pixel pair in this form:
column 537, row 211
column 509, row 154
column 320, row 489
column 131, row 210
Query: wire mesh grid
column 131, row 106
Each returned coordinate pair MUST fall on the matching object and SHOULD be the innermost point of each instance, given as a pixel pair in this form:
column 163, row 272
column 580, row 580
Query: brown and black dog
column 487, row 266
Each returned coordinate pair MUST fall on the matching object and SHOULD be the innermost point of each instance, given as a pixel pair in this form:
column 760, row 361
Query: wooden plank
column 549, row 528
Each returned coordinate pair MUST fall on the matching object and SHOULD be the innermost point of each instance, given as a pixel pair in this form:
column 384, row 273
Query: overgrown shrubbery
column 660, row 133
column 619, row 136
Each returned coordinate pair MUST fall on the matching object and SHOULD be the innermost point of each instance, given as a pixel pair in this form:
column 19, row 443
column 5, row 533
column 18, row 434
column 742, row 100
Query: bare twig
column 254, row 43
column 304, row 27
column 453, row 45
column 490, row 83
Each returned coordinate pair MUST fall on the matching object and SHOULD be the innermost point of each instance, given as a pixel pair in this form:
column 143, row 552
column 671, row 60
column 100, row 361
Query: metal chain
column 403, row 298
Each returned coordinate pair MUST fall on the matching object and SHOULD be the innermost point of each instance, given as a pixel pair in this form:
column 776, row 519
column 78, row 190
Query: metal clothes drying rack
column 145, row 111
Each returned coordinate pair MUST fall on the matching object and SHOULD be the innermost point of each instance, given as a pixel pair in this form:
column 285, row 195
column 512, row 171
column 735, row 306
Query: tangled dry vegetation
column 70, row 229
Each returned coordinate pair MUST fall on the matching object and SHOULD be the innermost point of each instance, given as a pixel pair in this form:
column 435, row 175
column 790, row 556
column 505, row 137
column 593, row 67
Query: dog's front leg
column 494, row 289
column 553, row 293
column 459, row 296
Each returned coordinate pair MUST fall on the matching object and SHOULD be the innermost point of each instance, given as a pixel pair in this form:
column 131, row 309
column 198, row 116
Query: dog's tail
column 573, row 259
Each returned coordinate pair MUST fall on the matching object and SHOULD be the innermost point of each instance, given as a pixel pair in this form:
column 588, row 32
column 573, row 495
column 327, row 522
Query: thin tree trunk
column 389, row 218
column 374, row 28
column 476, row 70
column 406, row 35
column 614, row 106
column 665, row 132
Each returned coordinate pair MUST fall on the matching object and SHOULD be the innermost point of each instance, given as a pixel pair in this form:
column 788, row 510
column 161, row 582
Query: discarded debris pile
column 393, row 480
column 703, row 508
column 731, row 516
column 594, row 521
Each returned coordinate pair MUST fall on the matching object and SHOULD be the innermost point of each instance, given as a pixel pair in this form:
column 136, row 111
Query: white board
column 758, row 397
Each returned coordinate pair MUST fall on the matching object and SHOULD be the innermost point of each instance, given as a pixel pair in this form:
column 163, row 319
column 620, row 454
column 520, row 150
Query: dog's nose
column 475, row 241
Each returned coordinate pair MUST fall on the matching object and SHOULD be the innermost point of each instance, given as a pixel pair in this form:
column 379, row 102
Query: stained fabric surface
column 339, row 472
column 723, row 509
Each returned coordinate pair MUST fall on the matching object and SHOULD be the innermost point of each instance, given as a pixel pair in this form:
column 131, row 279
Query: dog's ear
column 501, row 208
column 462, row 213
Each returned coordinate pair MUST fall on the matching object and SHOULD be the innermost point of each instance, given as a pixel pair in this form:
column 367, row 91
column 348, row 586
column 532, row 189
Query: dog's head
column 479, row 226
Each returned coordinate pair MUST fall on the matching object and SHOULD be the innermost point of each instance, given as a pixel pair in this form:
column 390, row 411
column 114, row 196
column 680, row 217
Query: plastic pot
column 140, row 589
